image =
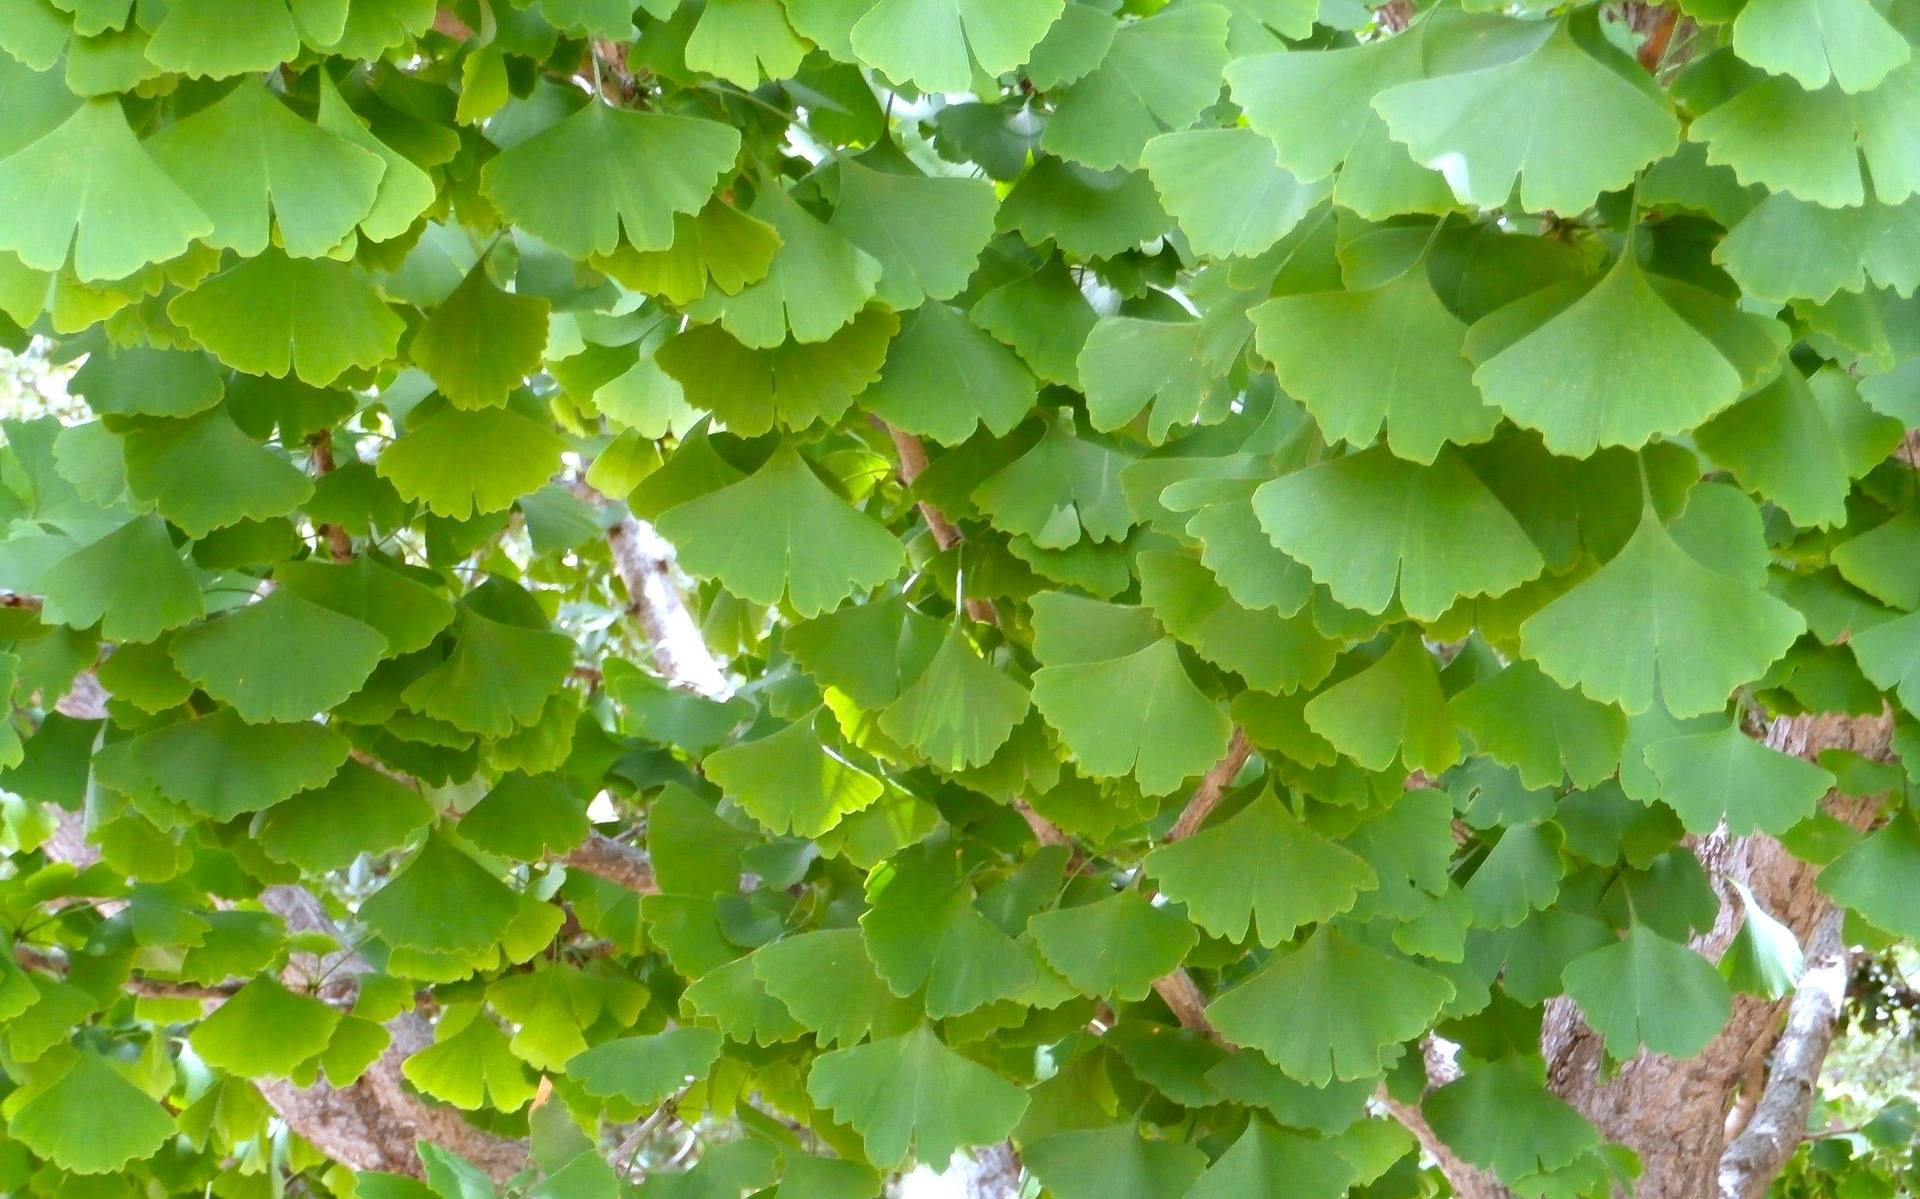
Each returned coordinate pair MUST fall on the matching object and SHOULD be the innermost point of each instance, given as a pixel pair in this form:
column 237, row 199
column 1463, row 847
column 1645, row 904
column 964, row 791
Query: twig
column 913, row 461
column 1213, row 787
column 339, row 544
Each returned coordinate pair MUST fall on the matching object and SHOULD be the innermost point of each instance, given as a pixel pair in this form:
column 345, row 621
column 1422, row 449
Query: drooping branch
column 1779, row 1119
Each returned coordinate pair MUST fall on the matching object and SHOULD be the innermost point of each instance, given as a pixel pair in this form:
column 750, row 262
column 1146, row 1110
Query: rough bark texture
column 1673, row 1113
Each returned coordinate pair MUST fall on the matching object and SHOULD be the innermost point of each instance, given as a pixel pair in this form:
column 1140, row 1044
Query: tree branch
column 913, row 461
column 615, row 861
column 1779, row 1119
column 1213, row 787
column 339, row 543
column 644, row 561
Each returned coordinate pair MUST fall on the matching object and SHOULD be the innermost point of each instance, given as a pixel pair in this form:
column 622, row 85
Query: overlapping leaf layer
column 1237, row 534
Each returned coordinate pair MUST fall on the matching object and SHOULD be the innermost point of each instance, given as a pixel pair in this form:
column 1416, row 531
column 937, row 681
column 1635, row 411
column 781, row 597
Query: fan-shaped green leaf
column 462, row 463
column 68, row 192
column 1267, row 1161
column 911, row 1093
column 604, row 172
column 131, row 583
column 1550, row 735
column 1274, row 653
column 145, row 381
column 1114, row 947
column 1535, row 117
column 1801, row 442
column 827, row 982
column 480, row 342
column 1874, row 878
column 1086, row 212
column 359, row 810
column 791, row 782
column 818, row 281
column 944, row 378
column 236, row 657
column 498, row 677
column 1371, row 527
column 399, row 607
column 1159, row 74
column 937, row 45
column 221, row 767
column 1646, row 990
column 1330, row 1008
column 1727, row 775
column 960, row 710
column 1392, row 711
column 783, row 533
column 264, row 1031
column 798, row 383
column 1843, row 40
column 923, row 930
column 925, row 233
column 441, row 901
column 1114, row 1162
column 272, row 314
column 647, row 1070
column 1162, row 731
column 1821, row 146
column 1501, row 1117
column 1653, row 615
column 719, row 247
column 255, row 168
column 91, row 1120
column 1227, row 190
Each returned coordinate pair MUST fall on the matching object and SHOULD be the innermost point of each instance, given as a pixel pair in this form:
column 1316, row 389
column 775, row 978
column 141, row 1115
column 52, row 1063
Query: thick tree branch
column 1779, row 1119
column 615, row 861
column 644, row 562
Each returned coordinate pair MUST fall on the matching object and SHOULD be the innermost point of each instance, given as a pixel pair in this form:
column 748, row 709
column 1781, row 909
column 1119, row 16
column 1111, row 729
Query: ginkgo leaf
column 1524, row 119
column 1392, row 711
column 1550, row 735
column 271, row 314
column 1063, row 487
column 646, row 1070
column 234, row 658
column 605, row 172
column 461, row 463
column 1520, row 875
column 1113, row 947
column 1043, row 316
column 781, row 533
column 1872, row 877
column 1261, row 868
column 1331, row 1008
column 1501, row 1116
column 498, row 677
column 1227, row 190
column 1178, row 367
column 912, row 1094
column 1086, row 212
column 791, row 782
column 405, row 191
column 471, row 1064
column 796, row 383
column 1820, row 146
column 1801, row 442
column 359, row 810
column 1655, row 616
column 441, row 901
column 936, row 45
column 146, row 381
column 1727, row 775
column 1387, row 356
column 1377, row 177
column 132, row 583
column 1159, row 74
column 255, row 168
column 818, row 281
column 745, row 41
column 1373, row 527
column 1164, row 731
column 218, row 38
column 480, row 342
column 1844, row 40
column 73, row 190
column 221, row 767
column 923, row 930
column 91, row 1120
column 264, row 1031
column 1274, row 653
column 1266, row 1161
column 719, row 247
column 1646, row 990
column 399, row 607
column 169, row 462
column 944, row 378
column 1889, row 655
column 1115, row 1161
column 827, row 982
column 959, row 711
column 926, row 233
column 526, row 818
column 1548, row 360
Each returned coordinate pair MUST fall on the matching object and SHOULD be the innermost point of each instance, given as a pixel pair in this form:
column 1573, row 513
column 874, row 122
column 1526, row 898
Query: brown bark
column 913, row 460
column 1674, row 1113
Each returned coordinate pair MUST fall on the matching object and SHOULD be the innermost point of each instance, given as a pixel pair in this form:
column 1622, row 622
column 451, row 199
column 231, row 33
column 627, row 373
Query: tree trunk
column 1674, row 1113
